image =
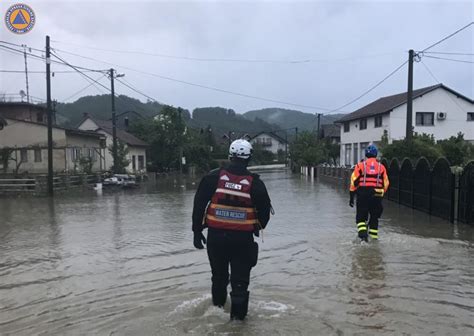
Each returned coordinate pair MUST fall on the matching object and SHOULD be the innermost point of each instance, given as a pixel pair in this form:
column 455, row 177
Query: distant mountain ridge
column 221, row 120
column 286, row 118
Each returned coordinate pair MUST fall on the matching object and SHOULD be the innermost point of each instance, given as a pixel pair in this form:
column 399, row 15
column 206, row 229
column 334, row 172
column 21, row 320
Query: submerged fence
column 37, row 185
column 433, row 189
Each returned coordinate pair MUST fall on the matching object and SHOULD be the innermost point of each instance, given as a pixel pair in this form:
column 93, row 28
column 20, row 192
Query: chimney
column 85, row 115
column 125, row 121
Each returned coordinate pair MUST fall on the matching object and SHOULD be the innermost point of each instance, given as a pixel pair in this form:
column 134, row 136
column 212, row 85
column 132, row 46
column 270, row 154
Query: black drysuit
column 231, row 247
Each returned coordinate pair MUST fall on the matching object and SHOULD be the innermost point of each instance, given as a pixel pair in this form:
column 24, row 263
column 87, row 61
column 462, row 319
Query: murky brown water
column 123, row 264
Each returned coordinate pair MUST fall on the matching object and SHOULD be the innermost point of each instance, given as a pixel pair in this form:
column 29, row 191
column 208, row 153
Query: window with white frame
column 363, row 124
column 347, row 154
column 363, row 147
column 470, row 116
column 378, row 121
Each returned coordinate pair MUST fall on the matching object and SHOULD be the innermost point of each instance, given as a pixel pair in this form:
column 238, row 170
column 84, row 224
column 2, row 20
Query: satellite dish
column 22, row 94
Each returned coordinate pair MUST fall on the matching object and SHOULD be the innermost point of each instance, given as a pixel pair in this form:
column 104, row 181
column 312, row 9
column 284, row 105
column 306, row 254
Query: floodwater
column 123, row 264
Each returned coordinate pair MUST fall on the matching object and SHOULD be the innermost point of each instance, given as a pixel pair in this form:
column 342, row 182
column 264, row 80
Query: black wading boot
column 240, row 305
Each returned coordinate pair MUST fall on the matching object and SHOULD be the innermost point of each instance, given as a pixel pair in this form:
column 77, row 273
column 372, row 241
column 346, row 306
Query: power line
column 85, row 88
column 436, row 80
column 201, row 85
column 371, row 89
column 21, row 52
column 447, row 37
column 449, row 59
column 39, row 71
column 136, row 90
column 449, row 53
column 228, row 60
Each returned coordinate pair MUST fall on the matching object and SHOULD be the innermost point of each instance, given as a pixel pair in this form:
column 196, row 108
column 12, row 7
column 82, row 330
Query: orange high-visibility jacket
column 370, row 173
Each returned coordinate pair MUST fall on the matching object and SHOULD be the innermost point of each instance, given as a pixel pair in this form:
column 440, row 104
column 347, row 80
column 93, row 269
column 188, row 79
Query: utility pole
column 49, row 112
column 114, row 122
column 409, row 126
column 26, row 75
column 319, row 124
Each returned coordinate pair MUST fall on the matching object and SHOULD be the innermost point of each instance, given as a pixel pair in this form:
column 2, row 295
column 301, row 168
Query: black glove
column 198, row 240
column 351, row 200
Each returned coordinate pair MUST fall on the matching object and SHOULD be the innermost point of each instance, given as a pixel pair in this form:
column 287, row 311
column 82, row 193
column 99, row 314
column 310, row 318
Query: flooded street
column 124, row 264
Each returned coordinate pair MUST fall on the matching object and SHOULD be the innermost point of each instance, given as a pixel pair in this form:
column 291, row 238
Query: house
column 331, row 132
column 72, row 149
column 270, row 142
column 136, row 147
column 25, row 135
column 437, row 110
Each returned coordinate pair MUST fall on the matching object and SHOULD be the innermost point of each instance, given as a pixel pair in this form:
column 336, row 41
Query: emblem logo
column 20, row 18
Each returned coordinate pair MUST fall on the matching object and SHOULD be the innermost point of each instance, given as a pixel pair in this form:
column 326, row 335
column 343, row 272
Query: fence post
column 453, row 187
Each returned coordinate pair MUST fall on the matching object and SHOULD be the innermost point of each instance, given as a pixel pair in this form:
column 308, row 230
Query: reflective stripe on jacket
column 231, row 206
column 370, row 173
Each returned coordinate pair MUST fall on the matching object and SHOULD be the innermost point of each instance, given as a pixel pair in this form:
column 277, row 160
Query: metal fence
column 431, row 189
column 466, row 195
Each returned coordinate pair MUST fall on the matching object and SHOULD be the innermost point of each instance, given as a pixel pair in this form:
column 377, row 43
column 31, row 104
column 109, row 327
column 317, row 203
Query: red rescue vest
column 231, row 206
column 371, row 175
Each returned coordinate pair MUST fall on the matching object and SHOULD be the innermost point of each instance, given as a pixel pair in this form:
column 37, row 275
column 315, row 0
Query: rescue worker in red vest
column 233, row 204
column 369, row 182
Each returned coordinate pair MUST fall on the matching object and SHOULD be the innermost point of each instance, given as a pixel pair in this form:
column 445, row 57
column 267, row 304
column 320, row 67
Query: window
column 424, row 118
column 38, row 157
column 76, row 154
column 363, row 124
column 347, row 127
column 355, row 158
column 347, row 154
column 378, row 121
column 134, row 165
column 363, row 146
column 470, row 116
column 141, row 162
column 24, row 155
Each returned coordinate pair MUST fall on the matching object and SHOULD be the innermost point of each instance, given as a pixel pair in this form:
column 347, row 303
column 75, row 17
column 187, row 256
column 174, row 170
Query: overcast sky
column 351, row 45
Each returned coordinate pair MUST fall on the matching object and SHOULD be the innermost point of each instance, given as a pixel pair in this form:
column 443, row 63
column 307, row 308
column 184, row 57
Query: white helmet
column 241, row 149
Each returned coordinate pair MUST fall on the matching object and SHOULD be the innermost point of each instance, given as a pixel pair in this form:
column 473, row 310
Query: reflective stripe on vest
column 372, row 180
column 231, row 205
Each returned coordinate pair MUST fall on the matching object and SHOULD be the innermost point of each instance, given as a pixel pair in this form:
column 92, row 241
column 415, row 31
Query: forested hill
column 224, row 120
column 285, row 118
column 220, row 119
column 100, row 106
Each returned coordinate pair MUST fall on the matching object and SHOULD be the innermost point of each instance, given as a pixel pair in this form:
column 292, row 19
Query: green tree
column 307, row 149
column 457, row 150
column 119, row 167
column 420, row 145
column 261, row 155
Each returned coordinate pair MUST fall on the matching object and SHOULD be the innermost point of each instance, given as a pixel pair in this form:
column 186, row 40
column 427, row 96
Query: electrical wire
column 38, row 71
column 135, row 90
column 371, row 89
column 436, row 80
column 449, row 59
column 228, row 60
column 200, row 85
column 447, row 37
column 448, row 53
column 85, row 88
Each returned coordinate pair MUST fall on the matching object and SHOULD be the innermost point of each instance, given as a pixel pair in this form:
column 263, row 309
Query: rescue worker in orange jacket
column 369, row 181
column 234, row 205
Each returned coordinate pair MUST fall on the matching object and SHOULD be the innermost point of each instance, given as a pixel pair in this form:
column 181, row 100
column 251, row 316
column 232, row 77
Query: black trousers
column 369, row 208
column 238, row 250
